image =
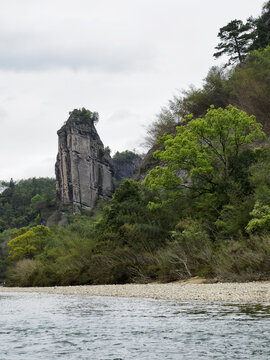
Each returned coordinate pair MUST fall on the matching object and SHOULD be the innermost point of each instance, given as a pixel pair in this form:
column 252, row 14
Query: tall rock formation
column 83, row 168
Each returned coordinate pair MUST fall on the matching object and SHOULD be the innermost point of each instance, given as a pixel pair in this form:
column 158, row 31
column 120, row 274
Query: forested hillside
column 203, row 208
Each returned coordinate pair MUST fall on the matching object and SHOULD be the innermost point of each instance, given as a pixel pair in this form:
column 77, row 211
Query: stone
column 84, row 171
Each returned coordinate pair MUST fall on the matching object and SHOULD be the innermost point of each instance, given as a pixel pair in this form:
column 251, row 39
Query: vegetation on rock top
column 84, row 116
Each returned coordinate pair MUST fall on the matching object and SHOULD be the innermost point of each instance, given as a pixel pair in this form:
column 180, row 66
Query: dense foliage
column 204, row 214
column 26, row 202
column 204, row 210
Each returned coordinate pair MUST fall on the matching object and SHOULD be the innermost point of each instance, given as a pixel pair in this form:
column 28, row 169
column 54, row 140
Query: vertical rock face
column 83, row 169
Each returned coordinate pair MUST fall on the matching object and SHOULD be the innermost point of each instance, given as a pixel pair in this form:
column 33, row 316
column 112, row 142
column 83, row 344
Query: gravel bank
column 190, row 290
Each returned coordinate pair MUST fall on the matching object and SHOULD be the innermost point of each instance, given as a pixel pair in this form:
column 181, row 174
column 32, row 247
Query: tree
column 195, row 101
column 27, row 242
column 250, row 86
column 129, row 222
column 261, row 28
column 236, row 39
column 16, row 209
column 205, row 153
column 214, row 92
column 84, row 115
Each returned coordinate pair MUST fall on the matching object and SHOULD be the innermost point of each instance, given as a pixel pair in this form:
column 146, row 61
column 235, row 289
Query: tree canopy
column 26, row 201
column 205, row 151
column 27, row 242
column 236, row 39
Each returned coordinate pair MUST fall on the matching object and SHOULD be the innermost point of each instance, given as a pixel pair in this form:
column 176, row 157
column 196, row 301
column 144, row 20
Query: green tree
column 236, row 39
column 129, row 222
column 214, row 92
column 16, row 206
column 28, row 242
column 205, row 153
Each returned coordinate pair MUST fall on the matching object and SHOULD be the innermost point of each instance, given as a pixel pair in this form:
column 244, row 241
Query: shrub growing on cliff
column 84, row 115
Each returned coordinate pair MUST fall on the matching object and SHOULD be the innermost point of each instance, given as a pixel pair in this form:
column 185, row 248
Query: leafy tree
column 215, row 91
column 236, row 39
column 129, row 222
column 204, row 155
column 17, row 206
column 27, row 242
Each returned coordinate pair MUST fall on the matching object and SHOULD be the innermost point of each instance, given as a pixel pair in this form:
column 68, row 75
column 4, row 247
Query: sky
column 124, row 59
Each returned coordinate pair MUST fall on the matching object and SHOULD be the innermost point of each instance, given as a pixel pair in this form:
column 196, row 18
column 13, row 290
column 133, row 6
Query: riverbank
column 194, row 289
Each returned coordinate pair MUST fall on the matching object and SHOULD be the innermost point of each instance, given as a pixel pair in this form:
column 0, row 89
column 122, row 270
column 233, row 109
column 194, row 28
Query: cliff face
column 83, row 169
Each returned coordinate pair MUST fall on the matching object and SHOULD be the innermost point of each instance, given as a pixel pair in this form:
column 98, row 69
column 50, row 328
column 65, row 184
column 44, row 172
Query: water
column 43, row 326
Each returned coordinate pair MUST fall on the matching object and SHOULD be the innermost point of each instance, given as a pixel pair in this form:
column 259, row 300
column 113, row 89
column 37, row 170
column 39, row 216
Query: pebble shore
column 252, row 292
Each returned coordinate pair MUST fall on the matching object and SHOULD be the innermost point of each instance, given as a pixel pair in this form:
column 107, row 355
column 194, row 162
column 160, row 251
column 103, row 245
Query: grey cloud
column 41, row 55
column 121, row 116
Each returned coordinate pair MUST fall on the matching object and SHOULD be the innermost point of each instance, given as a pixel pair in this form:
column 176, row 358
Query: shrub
column 243, row 260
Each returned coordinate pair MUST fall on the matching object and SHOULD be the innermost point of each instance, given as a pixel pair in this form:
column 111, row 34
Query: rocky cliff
column 126, row 164
column 83, row 169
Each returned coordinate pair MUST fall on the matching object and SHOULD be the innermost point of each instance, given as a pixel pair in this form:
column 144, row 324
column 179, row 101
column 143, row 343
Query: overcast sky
column 122, row 58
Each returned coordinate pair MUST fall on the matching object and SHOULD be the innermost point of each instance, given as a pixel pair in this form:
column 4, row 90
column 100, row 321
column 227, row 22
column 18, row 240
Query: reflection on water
column 41, row 326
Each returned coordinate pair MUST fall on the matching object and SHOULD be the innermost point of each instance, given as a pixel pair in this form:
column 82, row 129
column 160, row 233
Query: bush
column 23, row 273
column 243, row 260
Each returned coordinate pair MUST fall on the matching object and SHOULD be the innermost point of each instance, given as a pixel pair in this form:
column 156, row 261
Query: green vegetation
column 25, row 243
column 202, row 210
column 246, row 87
column 26, row 202
column 125, row 156
column 238, row 39
column 206, row 151
column 85, row 116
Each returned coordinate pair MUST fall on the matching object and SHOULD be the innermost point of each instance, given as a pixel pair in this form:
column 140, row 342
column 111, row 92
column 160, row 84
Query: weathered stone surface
column 83, row 169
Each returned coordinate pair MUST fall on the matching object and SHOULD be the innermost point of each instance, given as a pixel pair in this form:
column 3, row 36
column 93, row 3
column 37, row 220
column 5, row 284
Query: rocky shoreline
column 193, row 289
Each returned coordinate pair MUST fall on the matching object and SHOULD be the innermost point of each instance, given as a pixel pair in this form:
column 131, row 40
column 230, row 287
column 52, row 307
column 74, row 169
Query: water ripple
column 43, row 326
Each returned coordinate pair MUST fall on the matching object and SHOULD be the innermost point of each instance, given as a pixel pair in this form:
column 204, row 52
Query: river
column 46, row 326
